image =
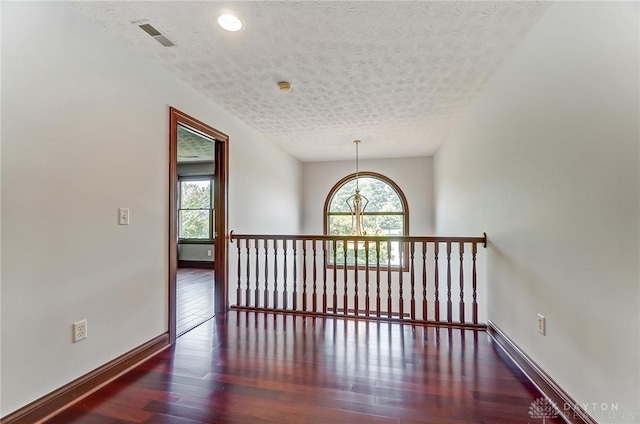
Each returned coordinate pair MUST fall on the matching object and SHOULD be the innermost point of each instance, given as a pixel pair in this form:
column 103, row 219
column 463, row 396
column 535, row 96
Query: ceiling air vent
column 156, row 35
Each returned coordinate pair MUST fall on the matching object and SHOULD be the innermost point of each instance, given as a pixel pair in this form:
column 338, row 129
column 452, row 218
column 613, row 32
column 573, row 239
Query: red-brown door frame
column 221, row 165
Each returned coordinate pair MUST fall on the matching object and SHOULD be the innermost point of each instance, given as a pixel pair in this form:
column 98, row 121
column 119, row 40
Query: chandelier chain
column 357, row 142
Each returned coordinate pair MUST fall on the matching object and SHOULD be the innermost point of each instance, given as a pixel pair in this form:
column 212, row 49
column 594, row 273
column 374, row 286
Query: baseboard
column 568, row 408
column 196, row 264
column 61, row 398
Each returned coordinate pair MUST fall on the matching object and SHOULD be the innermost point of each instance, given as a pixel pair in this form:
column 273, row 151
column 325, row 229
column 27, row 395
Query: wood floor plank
column 246, row 367
column 169, row 419
column 194, row 297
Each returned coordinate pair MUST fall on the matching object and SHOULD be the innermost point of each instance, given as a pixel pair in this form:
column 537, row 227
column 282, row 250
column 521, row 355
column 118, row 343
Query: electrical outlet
column 209, row 252
column 542, row 327
column 123, row 216
column 79, row 330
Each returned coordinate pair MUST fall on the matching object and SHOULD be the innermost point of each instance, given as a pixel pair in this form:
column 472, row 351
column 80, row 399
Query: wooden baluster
column 424, row 281
column 449, row 304
column 389, row 302
column 275, row 274
column 461, row 283
column 315, row 295
column 239, row 290
column 304, row 275
column 256, row 296
column 345, row 300
column 436, row 247
column 355, row 277
column 324, row 276
column 266, row 274
column 400, row 282
column 295, row 275
column 335, row 276
column 413, row 283
column 378, row 278
column 474, row 251
column 285, row 297
column 247, row 299
column 366, row 279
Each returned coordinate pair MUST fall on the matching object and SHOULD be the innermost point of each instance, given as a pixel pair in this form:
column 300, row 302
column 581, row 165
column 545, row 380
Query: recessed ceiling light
column 230, row 22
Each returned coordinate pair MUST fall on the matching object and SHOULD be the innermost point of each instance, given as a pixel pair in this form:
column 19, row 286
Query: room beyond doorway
column 195, row 296
column 197, row 223
column 196, row 218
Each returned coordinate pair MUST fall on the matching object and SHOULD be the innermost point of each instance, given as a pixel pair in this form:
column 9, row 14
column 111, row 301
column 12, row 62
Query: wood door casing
column 221, row 161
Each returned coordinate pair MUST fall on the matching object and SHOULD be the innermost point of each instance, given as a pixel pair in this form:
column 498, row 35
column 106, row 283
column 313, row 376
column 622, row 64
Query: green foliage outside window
column 195, row 212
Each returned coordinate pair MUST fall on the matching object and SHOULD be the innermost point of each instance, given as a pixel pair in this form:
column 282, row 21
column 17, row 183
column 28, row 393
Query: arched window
column 385, row 214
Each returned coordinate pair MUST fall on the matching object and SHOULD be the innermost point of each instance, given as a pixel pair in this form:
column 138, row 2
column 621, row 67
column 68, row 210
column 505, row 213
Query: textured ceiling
column 398, row 75
column 193, row 147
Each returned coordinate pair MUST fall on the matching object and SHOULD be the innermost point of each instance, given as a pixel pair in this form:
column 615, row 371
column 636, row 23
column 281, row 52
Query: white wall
column 196, row 252
column 547, row 162
column 414, row 176
column 85, row 131
column 196, row 168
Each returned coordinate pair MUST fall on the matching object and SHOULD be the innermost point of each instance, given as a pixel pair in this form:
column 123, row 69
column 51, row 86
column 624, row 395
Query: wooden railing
column 432, row 280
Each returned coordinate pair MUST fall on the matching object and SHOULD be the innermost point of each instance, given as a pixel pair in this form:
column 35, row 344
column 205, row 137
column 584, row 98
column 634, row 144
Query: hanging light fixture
column 357, row 203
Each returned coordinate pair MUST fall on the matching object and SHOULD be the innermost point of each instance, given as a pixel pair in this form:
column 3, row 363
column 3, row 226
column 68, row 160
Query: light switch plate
column 123, row 216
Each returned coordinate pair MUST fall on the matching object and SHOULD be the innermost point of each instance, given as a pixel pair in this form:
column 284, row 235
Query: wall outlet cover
column 542, row 327
column 79, row 330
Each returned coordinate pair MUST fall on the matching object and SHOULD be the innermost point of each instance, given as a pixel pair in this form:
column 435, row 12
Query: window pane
column 383, row 225
column 195, row 194
column 381, row 196
column 339, row 200
column 339, row 225
column 194, row 224
column 389, row 253
column 374, row 225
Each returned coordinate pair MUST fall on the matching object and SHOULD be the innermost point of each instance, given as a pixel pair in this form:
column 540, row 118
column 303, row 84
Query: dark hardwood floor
column 194, row 299
column 246, row 367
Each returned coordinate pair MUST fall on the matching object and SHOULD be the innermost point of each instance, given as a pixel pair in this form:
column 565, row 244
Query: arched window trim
column 383, row 178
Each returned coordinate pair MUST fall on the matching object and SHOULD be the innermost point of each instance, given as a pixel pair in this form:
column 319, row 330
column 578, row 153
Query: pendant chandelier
column 357, row 203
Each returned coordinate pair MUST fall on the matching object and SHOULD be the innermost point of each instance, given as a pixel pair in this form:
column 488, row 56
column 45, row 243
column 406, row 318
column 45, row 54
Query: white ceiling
column 398, row 75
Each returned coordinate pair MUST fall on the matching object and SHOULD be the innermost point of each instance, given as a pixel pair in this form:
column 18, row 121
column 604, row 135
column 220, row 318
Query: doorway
column 197, row 223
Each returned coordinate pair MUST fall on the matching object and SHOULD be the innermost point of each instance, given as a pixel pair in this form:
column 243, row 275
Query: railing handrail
column 442, row 239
